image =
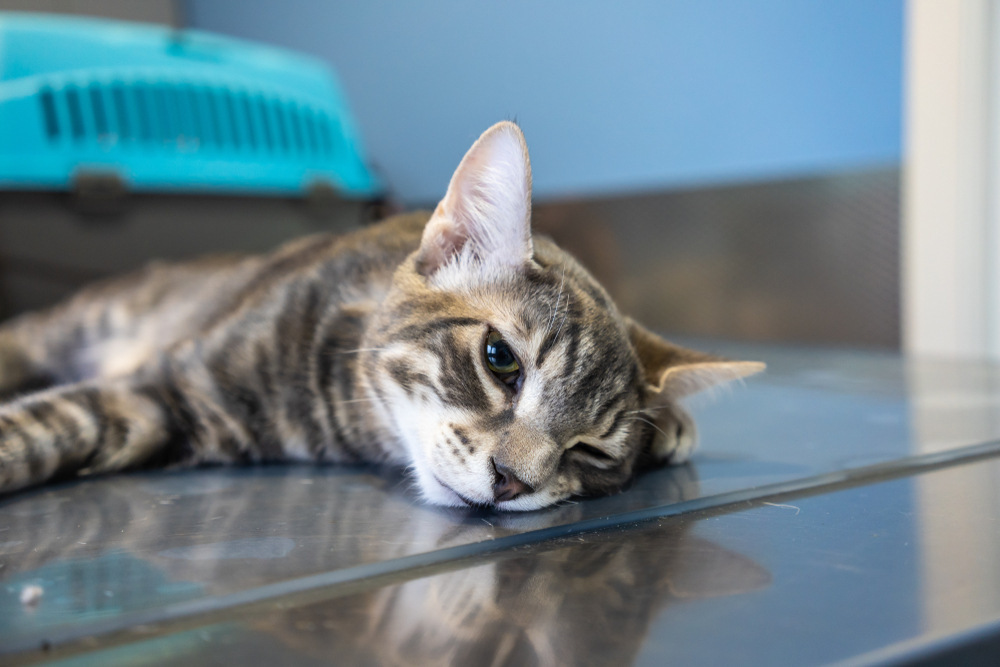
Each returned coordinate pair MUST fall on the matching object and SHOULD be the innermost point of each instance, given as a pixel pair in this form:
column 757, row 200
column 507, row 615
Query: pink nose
column 506, row 485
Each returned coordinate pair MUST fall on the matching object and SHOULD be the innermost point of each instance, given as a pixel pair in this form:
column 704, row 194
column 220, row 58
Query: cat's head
column 505, row 369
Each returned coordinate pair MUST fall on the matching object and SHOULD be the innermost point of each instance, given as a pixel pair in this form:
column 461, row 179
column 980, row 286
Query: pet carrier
column 163, row 110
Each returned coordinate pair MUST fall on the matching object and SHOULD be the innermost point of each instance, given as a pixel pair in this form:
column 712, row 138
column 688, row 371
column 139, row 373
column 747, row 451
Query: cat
column 486, row 360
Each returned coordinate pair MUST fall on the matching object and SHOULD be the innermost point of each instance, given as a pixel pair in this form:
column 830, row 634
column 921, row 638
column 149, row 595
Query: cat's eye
column 500, row 359
column 593, row 452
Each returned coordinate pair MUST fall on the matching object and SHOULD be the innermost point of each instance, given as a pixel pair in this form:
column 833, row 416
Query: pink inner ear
column 440, row 242
column 487, row 209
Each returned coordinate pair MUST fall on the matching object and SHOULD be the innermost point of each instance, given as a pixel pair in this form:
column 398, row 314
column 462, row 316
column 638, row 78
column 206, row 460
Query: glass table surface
column 172, row 553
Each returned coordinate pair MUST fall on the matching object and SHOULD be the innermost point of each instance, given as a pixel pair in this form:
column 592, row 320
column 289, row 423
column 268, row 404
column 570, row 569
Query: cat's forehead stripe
column 569, row 363
column 422, row 329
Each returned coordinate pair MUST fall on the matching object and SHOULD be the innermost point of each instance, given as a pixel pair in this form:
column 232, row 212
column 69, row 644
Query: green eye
column 500, row 359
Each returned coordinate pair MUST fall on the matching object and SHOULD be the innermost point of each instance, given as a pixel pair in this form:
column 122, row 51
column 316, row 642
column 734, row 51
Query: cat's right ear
column 485, row 217
column 672, row 372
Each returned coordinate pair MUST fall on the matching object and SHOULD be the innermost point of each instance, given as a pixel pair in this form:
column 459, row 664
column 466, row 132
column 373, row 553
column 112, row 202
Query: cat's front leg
column 79, row 429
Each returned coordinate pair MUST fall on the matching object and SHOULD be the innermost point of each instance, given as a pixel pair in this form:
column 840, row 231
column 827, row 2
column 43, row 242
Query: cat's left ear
column 487, row 209
column 672, row 372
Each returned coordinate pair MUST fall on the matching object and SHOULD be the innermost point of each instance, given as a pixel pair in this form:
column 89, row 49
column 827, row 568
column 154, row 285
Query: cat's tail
column 79, row 429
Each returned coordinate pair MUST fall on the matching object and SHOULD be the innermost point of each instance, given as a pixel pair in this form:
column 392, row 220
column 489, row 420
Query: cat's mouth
column 467, row 501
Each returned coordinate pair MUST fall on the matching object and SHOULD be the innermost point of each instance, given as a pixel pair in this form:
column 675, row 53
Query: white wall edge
column 950, row 267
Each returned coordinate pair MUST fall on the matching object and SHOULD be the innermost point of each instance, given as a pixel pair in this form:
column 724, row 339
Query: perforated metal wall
column 811, row 260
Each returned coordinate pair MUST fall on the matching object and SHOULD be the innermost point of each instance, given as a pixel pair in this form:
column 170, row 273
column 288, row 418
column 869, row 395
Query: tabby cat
column 455, row 343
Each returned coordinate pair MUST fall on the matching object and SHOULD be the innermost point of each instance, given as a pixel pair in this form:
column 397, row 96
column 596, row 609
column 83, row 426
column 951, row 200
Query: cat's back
column 120, row 323
column 336, row 269
column 359, row 264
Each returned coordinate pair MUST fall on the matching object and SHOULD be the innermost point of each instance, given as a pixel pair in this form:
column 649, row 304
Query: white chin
column 434, row 492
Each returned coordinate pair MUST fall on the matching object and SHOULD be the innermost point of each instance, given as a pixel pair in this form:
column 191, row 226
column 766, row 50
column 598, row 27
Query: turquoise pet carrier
column 165, row 110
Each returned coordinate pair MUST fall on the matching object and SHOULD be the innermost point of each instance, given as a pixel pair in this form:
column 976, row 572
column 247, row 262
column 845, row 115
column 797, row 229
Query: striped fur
column 365, row 347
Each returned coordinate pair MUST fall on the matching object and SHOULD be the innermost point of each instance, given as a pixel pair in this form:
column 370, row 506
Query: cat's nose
column 506, row 485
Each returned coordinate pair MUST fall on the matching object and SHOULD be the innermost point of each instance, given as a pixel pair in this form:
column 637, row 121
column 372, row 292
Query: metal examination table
column 845, row 507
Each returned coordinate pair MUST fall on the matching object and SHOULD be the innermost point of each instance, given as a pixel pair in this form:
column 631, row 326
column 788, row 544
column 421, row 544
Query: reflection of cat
column 575, row 601
column 180, row 524
column 112, row 545
column 455, row 343
column 112, row 548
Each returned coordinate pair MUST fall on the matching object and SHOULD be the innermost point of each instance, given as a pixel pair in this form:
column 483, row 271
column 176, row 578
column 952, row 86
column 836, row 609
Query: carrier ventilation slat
column 185, row 117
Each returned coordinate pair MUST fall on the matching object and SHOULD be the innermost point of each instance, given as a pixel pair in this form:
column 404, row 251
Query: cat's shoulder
column 394, row 235
column 404, row 229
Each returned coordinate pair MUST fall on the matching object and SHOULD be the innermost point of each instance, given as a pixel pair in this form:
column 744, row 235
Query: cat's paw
column 677, row 437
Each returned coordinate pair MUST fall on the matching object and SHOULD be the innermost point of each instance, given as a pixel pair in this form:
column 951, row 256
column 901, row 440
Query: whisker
column 562, row 291
column 358, row 400
column 555, row 311
column 653, row 425
column 562, row 322
column 648, row 409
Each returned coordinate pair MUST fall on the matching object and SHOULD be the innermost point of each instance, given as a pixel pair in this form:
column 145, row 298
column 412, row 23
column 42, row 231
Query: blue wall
column 613, row 96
